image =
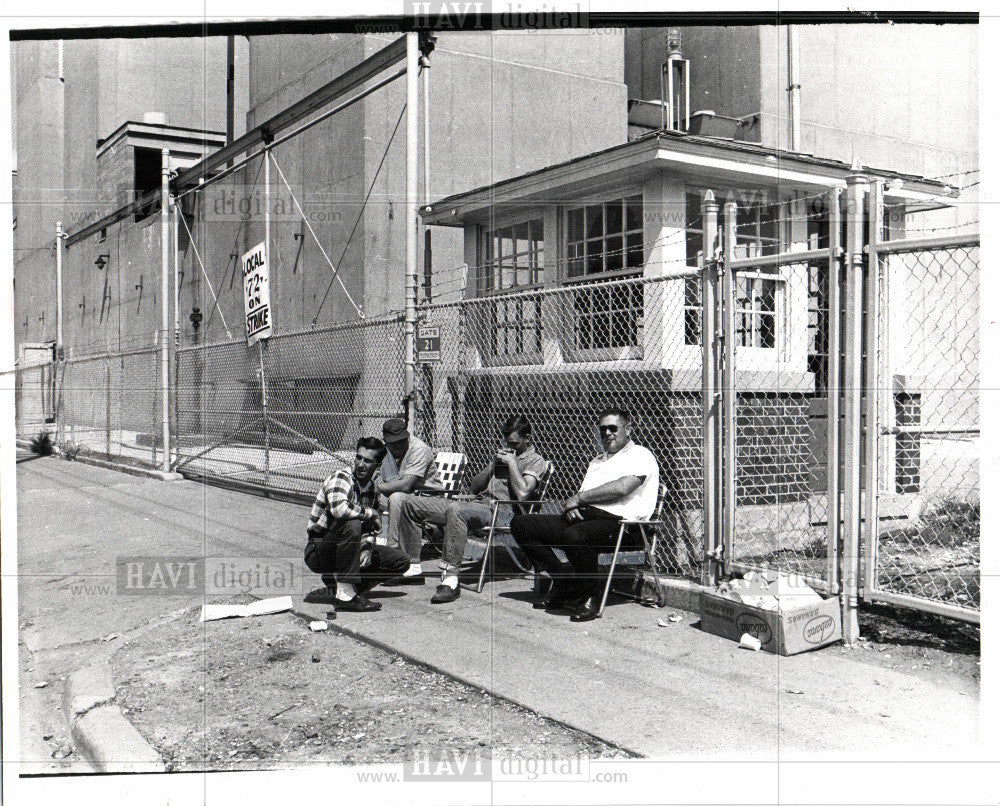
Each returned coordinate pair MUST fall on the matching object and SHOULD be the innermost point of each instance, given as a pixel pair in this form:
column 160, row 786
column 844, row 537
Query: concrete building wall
column 37, row 187
column 903, row 97
column 501, row 104
column 725, row 66
column 105, row 83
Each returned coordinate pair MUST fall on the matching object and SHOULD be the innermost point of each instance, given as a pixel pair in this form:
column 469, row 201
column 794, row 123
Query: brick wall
column 772, row 430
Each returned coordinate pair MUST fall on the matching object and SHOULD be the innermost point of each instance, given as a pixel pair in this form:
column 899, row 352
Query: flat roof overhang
column 695, row 159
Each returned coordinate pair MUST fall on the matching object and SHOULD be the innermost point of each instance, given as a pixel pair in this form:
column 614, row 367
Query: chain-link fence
column 559, row 356
column 925, row 541
column 282, row 414
column 107, row 405
column 320, row 390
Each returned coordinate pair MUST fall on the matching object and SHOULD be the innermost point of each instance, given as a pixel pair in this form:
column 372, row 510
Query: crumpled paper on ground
column 770, row 590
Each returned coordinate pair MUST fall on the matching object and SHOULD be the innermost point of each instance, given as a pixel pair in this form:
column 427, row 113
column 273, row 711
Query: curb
column 131, row 470
column 105, row 737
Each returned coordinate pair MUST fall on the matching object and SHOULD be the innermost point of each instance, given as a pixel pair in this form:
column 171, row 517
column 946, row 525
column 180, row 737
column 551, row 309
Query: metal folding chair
column 444, row 481
column 649, row 543
column 448, row 470
column 493, row 531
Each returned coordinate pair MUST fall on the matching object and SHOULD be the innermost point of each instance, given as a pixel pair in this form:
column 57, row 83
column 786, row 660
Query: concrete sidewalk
column 663, row 691
column 658, row 691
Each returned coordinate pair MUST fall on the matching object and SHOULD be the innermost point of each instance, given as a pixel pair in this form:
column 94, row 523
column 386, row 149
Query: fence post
column 709, row 392
column 410, row 217
column 107, row 408
column 833, row 396
column 873, row 392
column 58, row 368
column 165, row 306
column 853, row 284
column 729, row 397
column 260, row 342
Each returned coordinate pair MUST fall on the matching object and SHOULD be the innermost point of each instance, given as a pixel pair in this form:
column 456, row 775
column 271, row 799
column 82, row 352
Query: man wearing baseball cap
column 408, row 464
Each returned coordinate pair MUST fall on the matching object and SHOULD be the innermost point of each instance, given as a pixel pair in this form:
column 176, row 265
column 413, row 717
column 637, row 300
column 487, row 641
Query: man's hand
column 507, row 456
column 572, row 515
column 572, row 503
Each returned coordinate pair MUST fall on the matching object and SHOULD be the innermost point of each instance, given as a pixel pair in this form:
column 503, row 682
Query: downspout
column 230, row 91
column 794, row 117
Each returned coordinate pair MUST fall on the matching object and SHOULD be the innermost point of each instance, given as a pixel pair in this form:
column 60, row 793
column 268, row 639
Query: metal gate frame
column 876, row 404
column 720, row 352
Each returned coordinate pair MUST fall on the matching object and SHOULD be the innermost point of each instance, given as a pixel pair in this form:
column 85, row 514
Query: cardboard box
column 784, row 632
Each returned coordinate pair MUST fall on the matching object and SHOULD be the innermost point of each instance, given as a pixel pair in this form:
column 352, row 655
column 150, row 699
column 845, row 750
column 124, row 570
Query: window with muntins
column 513, row 261
column 758, row 219
column 605, row 241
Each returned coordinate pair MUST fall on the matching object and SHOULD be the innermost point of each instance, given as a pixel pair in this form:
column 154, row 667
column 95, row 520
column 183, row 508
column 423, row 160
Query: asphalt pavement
column 659, row 691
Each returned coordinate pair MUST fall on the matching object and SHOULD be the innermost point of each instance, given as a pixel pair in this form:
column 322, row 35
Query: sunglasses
column 608, row 429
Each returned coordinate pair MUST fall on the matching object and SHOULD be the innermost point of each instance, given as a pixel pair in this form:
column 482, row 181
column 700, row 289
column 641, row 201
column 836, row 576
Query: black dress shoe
column 588, row 610
column 560, row 594
column 445, row 594
column 359, row 604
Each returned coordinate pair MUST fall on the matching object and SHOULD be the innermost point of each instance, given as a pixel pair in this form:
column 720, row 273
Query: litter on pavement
column 262, row 607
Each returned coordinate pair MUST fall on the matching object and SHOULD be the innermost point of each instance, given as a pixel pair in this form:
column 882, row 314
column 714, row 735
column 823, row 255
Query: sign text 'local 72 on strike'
column 256, row 294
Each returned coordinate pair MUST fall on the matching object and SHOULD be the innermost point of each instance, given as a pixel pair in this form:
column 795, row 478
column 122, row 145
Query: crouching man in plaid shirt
column 342, row 527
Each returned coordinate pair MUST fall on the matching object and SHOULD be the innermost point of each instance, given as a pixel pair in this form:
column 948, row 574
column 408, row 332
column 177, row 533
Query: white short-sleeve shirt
column 632, row 460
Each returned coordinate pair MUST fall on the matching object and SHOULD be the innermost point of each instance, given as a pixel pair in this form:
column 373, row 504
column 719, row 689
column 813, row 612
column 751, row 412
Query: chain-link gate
column 923, row 529
column 778, row 314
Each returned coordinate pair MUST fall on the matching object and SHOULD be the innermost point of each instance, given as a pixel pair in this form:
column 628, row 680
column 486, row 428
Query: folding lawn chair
column 500, row 535
column 638, row 557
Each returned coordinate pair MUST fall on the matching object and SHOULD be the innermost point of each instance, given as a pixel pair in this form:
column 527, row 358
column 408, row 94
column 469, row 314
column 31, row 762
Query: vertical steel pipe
column 833, row 394
column 729, row 397
column 873, row 392
column 794, row 116
column 709, row 392
column 165, row 305
column 60, row 236
column 410, row 222
column 853, row 283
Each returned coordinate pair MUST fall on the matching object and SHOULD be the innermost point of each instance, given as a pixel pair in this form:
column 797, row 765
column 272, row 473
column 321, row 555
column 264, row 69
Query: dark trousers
column 581, row 541
column 337, row 555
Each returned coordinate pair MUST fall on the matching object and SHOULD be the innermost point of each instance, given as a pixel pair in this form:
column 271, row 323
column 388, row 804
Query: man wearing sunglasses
column 620, row 483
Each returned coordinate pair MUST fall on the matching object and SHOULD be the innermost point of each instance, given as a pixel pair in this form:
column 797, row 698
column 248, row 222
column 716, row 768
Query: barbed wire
column 958, row 173
column 942, row 228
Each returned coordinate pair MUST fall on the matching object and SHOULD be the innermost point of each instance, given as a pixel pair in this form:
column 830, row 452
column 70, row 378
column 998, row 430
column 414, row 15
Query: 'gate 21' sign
column 256, row 294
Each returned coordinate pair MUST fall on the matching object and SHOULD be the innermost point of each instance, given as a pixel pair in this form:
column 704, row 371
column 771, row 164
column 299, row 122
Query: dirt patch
column 923, row 644
column 266, row 693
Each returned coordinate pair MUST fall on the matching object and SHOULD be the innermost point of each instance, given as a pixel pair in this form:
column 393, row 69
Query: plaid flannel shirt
column 340, row 498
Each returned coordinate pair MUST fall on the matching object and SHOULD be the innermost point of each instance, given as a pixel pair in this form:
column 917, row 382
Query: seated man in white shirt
column 620, row 483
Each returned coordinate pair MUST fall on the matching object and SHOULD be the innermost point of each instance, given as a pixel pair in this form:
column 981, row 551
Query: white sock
column 415, row 569
column 451, row 580
column 346, row 591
